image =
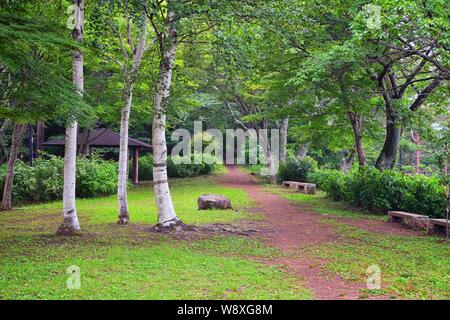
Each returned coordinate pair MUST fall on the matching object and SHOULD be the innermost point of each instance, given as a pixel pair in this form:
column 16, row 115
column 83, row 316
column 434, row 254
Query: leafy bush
column 332, row 181
column 145, row 168
column 255, row 168
column 381, row 191
column 44, row 181
column 96, row 177
column 175, row 167
column 297, row 169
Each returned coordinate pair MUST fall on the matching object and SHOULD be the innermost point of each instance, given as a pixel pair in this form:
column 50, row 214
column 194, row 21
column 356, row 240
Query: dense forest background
column 343, row 73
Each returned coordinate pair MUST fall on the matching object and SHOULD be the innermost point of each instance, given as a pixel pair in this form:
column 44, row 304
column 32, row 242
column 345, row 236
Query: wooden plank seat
column 417, row 221
column 309, row 188
column 439, row 225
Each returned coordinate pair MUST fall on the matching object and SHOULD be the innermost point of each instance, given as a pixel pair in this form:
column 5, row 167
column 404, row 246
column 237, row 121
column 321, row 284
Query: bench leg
column 420, row 223
column 436, row 229
column 395, row 219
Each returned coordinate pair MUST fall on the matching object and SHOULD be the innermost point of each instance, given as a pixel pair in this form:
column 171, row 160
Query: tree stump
column 213, row 201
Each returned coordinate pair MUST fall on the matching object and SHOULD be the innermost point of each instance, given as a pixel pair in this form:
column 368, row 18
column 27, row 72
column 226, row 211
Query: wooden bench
column 417, row 221
column 439, row 225
column 309, row 188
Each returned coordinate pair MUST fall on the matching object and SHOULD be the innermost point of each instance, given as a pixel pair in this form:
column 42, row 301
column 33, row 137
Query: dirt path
column 290, row 227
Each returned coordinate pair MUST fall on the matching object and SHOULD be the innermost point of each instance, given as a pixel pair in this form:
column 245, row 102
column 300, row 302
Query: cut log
column 213, row 201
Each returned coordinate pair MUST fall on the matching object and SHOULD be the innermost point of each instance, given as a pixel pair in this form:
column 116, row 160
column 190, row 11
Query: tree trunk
column 70, row 224
column 388, row 155
column 40, row 137
column 30, row 145
column 303, row 150
column 346, row 163
column 4, row 151
column 130, row 77
column 124, row 215
column 85, row 146
column 17, row 137
column 167, row 218
column 356, row 122
column 283, row 139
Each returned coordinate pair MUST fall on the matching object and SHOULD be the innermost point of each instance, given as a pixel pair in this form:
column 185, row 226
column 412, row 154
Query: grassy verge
column 118, row 262
column 157, row 269
column 412, row 267
column 142, row 205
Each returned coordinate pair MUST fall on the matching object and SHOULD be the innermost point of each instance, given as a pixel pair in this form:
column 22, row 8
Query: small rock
column 213, row 201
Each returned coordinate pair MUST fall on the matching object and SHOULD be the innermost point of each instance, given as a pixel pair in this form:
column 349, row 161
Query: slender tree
column 130, row 75
column 17, row 138
column 70, row 223
column 167, row 218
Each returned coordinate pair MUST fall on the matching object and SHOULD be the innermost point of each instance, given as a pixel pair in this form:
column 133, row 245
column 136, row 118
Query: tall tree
column 123, row 43
column 32, row 78
column 167, row 40
column 409, row 56
column 70, row 223
column 130, row 75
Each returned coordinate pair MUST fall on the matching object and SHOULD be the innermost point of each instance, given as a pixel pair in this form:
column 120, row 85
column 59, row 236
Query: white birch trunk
column 70, row 223
column 124, row 215
column 167, row 218
column 130, row 77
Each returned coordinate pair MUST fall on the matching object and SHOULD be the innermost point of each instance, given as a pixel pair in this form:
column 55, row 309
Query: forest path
column 289, row 227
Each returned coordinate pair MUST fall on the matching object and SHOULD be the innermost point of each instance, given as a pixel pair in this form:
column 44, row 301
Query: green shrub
column 297, row 169
column 48, row 174
column 145, row 168
column 96, row 177
column 175, row 169
column 332, row 181
column 44, row 181
column 255, row 168
column 381, row 191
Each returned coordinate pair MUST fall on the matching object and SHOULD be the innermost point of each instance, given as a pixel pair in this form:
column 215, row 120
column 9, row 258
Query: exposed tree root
column 174, row 225
column 66, row 230
column 228, row 229
column 123, row 220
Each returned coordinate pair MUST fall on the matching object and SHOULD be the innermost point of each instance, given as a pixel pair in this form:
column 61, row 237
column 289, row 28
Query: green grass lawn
column 129, row 262
column 412, row 267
